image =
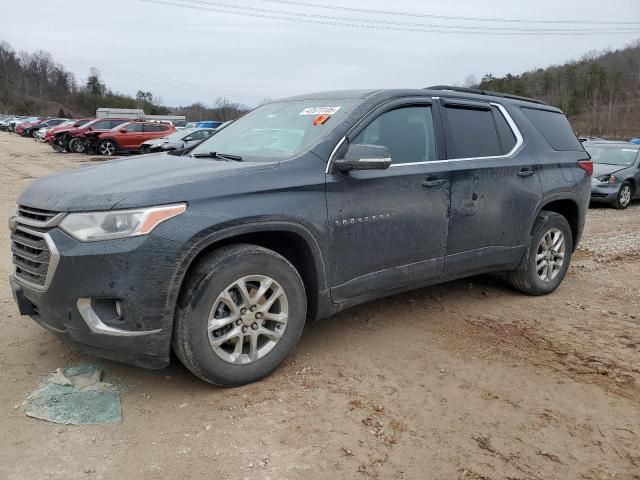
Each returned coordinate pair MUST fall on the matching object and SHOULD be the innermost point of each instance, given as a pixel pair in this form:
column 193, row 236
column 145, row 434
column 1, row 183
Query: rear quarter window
column 555, row 128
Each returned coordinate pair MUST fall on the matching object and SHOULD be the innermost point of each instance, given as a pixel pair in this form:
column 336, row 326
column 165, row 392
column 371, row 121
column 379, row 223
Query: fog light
column 119, row 309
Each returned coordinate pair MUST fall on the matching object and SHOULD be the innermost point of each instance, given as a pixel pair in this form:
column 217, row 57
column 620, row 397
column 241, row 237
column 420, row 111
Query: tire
column 34, row 134
column 217, row 273
column 107, row 148
column 623, row 200
column 527, row 278
column 76, row 145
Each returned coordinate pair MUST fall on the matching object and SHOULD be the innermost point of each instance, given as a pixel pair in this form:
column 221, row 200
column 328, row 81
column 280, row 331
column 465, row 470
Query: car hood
column 600, row 169
column 134, row 182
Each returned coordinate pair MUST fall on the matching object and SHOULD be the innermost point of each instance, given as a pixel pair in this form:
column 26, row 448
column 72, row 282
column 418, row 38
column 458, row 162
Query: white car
column 184, row 138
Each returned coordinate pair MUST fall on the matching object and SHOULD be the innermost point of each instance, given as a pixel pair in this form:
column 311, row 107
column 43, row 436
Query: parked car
column 59, row 134
column 635, row 141
column 44, row 128
column 183, row 138
column 76, row 137
column 299, row 209
column 18, row 126
column 616, row 172
column 208, row 124
column 31, row 130
column 126, row 138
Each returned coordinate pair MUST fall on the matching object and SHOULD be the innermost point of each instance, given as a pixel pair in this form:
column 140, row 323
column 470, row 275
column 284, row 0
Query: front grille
column 34, row 254
column 31, row 255
column 36, row 214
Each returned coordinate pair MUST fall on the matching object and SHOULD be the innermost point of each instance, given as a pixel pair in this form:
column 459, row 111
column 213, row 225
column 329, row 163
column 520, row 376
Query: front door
column 389, row 227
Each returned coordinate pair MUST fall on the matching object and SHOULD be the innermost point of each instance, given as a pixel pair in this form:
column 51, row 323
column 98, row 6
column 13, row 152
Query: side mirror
column 123, row 130
column 364, row 157
column 188, row 139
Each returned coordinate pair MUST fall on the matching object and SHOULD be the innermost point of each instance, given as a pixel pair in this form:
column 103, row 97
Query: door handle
column 526, row 172
column 433, row 182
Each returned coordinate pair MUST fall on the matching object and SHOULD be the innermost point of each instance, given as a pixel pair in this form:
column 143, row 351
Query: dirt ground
column 466, row 380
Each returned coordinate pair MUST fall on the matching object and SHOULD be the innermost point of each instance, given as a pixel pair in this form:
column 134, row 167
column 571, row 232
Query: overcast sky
column 183, row 55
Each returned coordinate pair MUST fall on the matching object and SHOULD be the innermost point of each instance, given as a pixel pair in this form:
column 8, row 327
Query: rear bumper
column 89, row 278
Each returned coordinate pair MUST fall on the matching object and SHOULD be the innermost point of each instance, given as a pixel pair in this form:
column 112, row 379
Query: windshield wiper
column 223, row 156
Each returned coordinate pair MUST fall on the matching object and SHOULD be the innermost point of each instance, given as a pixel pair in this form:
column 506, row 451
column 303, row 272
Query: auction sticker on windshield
column 319, row 111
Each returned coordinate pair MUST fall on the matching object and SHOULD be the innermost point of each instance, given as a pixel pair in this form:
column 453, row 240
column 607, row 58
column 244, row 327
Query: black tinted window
column 472, row 133
column 114, row 123
column 507, row 138
column 407, row 133
column 134, row 127
column 555, row 128
column 103, row 125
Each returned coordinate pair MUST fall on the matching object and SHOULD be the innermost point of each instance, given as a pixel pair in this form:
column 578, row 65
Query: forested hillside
column 34, row 83
column 600, row 93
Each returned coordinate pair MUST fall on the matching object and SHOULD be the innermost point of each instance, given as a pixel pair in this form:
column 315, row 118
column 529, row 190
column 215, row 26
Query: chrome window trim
column 96, row 325
column 54, row 258
column 507, row 116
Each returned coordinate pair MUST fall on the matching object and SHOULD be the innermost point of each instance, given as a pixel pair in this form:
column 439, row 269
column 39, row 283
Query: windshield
column 613, row 154
column 277, row 131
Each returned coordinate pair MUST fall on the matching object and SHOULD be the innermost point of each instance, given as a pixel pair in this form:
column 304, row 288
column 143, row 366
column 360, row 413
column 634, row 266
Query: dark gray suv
column 301, row 208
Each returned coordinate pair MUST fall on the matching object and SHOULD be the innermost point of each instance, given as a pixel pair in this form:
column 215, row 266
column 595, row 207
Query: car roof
column 436, row 91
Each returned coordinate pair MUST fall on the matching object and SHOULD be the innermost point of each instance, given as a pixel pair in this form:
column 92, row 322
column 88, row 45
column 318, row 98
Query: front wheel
column 624, row 196
column 242, row 311
column 107, row 147
column 546, row 258
column 77, row 145
column 34, row 134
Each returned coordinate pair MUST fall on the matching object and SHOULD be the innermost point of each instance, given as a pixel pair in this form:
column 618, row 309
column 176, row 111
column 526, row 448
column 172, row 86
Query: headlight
column 94, row 226
column 607, row 179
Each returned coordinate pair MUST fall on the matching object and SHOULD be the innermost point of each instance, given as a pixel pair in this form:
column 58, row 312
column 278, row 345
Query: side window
column 199, row 135
column 113, row 123
column 102, row 125
column 472, row 133
column 152, row 128
column 507, row 138
column 555, row 128
column 407, row 132
column 134, row 127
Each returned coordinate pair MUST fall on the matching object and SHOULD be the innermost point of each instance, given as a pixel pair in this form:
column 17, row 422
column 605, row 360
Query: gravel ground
column 466, row 380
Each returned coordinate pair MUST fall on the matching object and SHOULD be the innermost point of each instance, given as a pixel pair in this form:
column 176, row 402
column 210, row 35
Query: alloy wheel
column 248, row 319
column 107, row 148
column 550, row 255
column 625, row 195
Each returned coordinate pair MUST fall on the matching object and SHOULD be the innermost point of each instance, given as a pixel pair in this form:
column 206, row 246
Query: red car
column 55, row 132
column 75, row 141
column 22, row 127
column 127, row 138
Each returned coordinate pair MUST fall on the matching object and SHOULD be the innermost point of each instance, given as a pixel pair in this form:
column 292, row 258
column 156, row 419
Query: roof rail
column 478, row 91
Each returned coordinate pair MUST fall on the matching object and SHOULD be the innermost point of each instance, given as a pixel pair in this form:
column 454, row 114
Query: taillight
column 587, row 166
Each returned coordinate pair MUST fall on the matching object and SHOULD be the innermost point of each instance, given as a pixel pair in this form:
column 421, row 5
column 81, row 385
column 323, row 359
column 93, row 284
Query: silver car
column 184, row 138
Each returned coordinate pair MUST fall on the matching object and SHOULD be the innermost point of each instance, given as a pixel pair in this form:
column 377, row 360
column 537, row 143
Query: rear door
column 388, row 228
column 495, row 187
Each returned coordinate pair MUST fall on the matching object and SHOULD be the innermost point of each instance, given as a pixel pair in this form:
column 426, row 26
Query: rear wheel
column 77, row 145
column 107, row 147
column 547, row 257
column 624, row 196
column 241, row 313
column 34, row 134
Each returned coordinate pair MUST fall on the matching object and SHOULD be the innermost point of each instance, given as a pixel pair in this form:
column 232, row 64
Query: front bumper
column 91, row 276
column 604, row 192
